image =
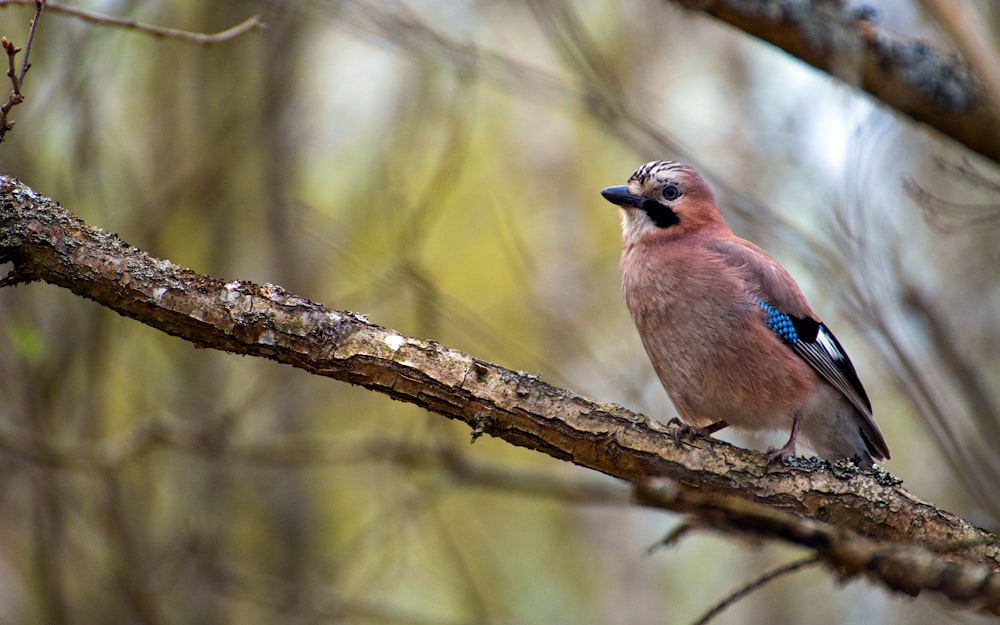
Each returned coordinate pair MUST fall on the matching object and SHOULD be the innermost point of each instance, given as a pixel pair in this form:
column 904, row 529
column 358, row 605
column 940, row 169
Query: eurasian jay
column 728, row 331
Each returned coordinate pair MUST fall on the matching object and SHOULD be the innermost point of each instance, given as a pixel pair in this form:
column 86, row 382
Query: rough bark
column 859, row 522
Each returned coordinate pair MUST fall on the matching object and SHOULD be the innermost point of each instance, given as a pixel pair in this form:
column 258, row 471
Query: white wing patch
column 827, row 343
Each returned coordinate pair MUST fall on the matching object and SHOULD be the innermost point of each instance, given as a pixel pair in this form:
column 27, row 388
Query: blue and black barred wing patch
column 812, row 341
column 781, row 323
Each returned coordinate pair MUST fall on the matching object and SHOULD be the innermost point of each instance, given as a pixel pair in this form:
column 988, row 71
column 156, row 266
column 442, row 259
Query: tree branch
column 906, row 74
column 17, row 78
column 100, row 19
column 908, row 568
column 45, row 242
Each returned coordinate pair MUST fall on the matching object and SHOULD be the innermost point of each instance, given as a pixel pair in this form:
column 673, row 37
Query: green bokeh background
column 436, row 166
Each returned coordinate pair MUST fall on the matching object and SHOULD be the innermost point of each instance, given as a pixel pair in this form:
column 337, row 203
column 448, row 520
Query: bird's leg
column 684, row 429
column 779, row 456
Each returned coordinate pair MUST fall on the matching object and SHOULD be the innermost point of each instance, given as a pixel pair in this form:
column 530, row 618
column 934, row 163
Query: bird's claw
column 781, row 455
column 686, row 430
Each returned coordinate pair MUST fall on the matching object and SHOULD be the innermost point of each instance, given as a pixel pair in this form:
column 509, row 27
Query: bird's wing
column 789, row 315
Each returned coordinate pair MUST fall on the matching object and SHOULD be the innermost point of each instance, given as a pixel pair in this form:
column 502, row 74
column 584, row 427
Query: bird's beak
column 621, row 197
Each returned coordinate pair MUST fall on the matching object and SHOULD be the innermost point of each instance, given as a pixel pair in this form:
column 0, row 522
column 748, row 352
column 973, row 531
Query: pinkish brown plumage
column 727, row 329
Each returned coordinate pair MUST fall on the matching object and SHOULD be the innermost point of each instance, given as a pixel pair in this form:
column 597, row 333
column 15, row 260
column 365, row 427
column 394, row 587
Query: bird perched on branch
column 728, row 331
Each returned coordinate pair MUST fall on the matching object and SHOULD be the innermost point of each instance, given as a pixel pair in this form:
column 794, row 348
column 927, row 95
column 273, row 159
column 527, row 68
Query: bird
column 727, row 329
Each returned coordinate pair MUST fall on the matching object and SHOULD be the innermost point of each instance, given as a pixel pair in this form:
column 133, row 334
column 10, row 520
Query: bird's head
column 664, row 198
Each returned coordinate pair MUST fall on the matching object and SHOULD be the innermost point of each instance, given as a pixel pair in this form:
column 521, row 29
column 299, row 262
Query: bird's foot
column 782, row 454
column 787, row 451
column 685, row 430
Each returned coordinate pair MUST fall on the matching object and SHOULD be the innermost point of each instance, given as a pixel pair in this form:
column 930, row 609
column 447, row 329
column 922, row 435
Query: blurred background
column 436, row 165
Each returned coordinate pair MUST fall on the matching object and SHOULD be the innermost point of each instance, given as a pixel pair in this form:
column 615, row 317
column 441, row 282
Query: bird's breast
column 684, row 303
column 707, row 339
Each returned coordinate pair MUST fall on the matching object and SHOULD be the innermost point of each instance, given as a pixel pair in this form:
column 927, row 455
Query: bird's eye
column 671, row 192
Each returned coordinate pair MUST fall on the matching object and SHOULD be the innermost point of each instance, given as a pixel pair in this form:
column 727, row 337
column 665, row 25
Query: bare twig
column 674, row 536
column 945, row 215
column 251, row 23
column 766, row 578
column 12, row 51
column 17, row 78
column 26, row 65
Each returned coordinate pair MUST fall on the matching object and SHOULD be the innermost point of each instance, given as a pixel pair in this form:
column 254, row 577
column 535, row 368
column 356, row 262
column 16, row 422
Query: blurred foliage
column 436, row 166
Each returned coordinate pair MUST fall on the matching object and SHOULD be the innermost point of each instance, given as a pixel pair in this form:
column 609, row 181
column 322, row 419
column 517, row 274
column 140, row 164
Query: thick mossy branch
column 44, row 242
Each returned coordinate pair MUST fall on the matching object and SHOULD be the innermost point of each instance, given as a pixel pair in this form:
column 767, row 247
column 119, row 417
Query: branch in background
column 945, row 215
column 970, row 34
column 251, row 23
column 17, row 78
column 906, row 74
column 908, row 568
column 45, row 242
column 211, row 441
column 746, row 590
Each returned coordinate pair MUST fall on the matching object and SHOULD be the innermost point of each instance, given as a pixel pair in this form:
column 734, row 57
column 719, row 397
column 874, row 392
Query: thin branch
column 828, row 511
column 766, row 578
column 944, row 215
column 26, row 65
column 101, row 19
column 17, row 78
column 674, row 536
column 12, row 51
